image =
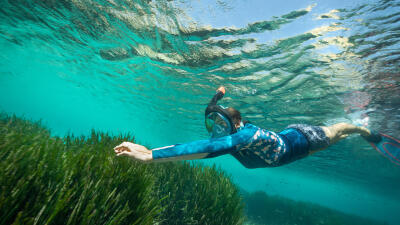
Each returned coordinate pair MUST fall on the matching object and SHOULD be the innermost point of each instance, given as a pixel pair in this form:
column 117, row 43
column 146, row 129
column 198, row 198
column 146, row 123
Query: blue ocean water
column 150, row 67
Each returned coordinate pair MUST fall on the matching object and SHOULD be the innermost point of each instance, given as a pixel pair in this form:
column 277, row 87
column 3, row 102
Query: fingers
column 128, row 154
column 122, row 154
column 135, row 151
column 124, row 144
column 123, row 147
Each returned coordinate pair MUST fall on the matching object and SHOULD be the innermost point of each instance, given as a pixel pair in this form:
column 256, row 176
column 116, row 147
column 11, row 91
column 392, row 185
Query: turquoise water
column 150, row 68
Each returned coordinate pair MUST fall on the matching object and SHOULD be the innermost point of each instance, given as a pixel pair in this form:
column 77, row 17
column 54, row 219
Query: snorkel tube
column 213, row 107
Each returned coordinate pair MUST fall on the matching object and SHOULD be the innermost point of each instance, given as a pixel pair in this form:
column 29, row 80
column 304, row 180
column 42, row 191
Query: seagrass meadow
column 78, row 180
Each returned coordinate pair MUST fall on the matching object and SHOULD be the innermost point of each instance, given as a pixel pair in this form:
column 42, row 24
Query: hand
column 135, row 151
column 221, row 89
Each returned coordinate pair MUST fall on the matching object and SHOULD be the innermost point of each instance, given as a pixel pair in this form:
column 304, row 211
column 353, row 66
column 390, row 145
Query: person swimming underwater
column 252, row 146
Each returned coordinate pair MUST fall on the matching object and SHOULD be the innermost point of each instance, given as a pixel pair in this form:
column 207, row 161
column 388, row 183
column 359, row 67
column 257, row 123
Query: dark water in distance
column 150, row 67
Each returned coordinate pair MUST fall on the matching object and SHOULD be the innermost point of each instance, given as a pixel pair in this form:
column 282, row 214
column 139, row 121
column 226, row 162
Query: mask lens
column 209, row 124
column 217, row 125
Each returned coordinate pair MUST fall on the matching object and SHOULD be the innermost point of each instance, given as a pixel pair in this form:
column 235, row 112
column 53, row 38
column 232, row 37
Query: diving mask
column 217, row 125
column 218, row 121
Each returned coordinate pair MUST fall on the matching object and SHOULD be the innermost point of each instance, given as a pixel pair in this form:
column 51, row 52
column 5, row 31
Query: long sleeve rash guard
column 252, row 146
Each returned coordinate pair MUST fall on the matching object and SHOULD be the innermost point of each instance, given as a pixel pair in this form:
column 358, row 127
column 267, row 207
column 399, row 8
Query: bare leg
column 340, row 131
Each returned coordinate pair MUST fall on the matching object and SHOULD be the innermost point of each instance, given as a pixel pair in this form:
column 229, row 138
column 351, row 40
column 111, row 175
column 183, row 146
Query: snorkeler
column 252, row 146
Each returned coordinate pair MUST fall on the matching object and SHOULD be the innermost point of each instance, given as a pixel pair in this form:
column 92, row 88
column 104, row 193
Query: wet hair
column 235, row 115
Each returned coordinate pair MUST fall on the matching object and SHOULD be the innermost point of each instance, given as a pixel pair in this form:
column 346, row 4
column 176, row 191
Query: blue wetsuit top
column 252, row 146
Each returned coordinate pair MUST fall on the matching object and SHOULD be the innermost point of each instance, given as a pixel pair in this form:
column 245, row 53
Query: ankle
column 374, row 137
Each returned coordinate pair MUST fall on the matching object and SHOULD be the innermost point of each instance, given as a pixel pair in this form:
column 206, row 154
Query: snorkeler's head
column 219, row 120
column 235, row 115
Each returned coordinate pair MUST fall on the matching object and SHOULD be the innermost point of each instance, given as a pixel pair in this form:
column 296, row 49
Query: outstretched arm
column 141, row 153
column 193, row 150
